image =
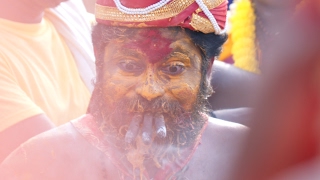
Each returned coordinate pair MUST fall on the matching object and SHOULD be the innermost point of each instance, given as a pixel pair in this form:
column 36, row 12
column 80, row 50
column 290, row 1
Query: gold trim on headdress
column 171, row 9
column 201, row 24
column 210, row 4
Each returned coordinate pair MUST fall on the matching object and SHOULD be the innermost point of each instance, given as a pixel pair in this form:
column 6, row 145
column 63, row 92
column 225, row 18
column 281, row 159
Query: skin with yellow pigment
column 149, row 97
column 129, row 72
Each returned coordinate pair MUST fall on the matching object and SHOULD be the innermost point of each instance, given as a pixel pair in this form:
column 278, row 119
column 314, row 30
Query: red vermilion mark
column 153, row 44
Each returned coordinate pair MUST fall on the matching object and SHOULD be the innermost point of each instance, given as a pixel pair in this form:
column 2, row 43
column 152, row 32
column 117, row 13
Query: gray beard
column 182, row 127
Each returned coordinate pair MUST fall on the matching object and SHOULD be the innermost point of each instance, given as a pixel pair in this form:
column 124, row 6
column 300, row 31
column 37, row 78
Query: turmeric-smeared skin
column 163, row 66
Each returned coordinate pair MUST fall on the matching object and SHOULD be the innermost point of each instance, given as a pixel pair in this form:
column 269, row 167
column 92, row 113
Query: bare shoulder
column 224, row 138
column 224, row 128
column 220, row 145
column 47, row 155
column 222, row 134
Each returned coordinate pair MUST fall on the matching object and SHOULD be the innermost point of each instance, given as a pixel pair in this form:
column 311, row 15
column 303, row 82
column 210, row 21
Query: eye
column 129, row 66
column 173, row 69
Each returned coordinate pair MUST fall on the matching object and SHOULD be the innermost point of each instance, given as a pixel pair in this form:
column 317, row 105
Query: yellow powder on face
column 186, row 94
column 153, row 81
column 178, row 56
column 136, row 155
column 187, row 88
column 190, row 51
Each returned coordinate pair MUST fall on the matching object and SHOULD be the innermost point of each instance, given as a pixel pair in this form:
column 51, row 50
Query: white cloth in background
column 70, row 20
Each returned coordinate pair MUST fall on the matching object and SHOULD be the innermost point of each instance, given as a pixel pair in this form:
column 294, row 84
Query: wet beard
column 182, row 130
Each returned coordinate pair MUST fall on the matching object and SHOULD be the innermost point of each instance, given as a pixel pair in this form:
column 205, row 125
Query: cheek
column 186, row 92
column 186, row 95
column 116, row 87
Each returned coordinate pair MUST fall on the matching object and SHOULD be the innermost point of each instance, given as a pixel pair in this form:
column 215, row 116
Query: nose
column 150, row 88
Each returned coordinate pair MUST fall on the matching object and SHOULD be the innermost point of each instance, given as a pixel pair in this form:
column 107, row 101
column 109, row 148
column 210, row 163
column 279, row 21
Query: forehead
column 171, row 33
column 156, row 43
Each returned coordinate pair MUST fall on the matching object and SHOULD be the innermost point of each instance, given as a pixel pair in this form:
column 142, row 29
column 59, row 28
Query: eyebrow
column 130, row 52
column 179, row 50
column 182, row 47
column 177, row 53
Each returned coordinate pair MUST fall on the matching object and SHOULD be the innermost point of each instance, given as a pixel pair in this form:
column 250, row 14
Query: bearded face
column 149, row 87
column 149, row 94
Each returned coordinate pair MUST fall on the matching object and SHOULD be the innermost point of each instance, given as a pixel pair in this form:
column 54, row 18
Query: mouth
column 147, row 124
column 150, row 121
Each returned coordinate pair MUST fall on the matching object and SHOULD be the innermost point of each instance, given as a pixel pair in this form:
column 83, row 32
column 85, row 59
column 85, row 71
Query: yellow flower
column 244, row 49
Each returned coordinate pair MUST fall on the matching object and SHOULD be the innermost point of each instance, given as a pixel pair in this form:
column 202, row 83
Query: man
column 147, row 116
column 46, row 67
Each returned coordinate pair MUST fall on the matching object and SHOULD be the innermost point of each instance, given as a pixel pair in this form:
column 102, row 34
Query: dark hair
column 210, row 46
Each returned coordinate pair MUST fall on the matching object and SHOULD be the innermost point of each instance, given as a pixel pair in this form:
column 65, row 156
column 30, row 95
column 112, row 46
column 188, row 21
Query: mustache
column 158, row 115
column 147, row 116
column 158, row 105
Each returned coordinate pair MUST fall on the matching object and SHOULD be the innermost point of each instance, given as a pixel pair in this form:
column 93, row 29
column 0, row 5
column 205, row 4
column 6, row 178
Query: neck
column 21, row 11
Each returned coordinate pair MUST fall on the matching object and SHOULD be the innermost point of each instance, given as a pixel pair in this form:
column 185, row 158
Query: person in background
column 229, row 3
column 237, row 71
column 89, row 4
column 147, row 117
column 46, row 67
column 237, row 74
column 284, row 142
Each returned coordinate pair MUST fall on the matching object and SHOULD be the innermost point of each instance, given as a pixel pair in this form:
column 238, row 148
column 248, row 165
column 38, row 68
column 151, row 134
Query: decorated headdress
column 207, row 16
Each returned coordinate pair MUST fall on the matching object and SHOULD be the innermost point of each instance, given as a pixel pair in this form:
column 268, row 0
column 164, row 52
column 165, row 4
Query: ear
column 209, row 70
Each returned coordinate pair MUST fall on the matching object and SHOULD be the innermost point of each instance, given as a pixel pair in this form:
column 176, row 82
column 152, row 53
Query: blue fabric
column 229, row 3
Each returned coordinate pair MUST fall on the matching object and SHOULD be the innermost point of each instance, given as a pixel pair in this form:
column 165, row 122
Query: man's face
column 150, row 83
column 153, row 64
column 148, row 96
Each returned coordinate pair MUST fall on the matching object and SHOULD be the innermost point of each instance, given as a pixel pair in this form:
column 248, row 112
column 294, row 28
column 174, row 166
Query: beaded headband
column 207, row 16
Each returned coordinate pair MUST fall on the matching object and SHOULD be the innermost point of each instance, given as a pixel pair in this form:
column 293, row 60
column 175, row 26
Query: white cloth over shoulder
column 70, row 20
